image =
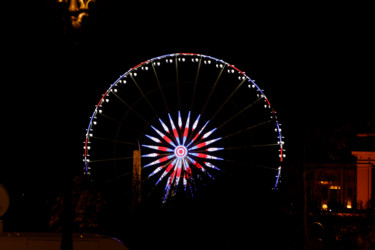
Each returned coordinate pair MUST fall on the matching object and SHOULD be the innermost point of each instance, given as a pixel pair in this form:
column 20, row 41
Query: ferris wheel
column 195, row 119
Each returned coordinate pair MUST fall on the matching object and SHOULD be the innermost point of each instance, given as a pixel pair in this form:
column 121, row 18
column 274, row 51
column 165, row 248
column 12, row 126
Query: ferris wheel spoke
column 252, row 146
column 160, row 160
column 160, row 88
column 177, row 83
column 228, row 98
column 195, row 124
column 243, row 164
column 170, row 186
column 247, row 129
column 213, row 88
column 213, row 149
column 194, row 140
column 178, row 170
column 144, row 96
column 131, row 109
column 167, row 171
column 158, row 169
column 113, row 140
column 164, row 137
column 109, row 118
column 174, row 130
column 112, row 159
column 205, row 144
column 239, row 113
column 195, row 83
column 199, row 166
column 197, row 144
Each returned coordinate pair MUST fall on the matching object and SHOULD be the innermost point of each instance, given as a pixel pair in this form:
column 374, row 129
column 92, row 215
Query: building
column 365, row 154
column 330, row 186
column 343, row 186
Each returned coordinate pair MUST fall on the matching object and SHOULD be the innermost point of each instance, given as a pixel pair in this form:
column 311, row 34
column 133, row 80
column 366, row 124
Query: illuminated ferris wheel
column 195, row 119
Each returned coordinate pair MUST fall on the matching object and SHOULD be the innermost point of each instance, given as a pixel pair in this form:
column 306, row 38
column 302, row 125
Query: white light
column 150, row 155
column 214, row 149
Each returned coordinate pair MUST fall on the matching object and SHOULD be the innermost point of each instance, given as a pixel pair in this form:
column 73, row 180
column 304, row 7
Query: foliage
column 87, row 205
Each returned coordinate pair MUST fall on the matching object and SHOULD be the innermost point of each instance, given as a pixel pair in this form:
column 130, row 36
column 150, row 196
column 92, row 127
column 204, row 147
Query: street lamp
column 78, row 10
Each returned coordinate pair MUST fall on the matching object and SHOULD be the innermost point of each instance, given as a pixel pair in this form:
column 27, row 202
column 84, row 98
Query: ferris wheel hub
column 180, row 151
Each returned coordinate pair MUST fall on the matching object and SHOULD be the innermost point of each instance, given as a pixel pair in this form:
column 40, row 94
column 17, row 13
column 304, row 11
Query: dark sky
column 312, row 60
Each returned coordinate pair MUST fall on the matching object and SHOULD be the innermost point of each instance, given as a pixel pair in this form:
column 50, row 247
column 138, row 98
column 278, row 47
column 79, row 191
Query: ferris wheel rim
column 194, row 56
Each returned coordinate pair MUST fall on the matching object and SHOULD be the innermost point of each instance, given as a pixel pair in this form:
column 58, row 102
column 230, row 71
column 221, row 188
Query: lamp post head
column 78, row 10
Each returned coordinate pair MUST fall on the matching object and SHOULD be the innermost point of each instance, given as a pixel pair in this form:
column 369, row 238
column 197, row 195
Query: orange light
column 324, row 206
column 349, row 205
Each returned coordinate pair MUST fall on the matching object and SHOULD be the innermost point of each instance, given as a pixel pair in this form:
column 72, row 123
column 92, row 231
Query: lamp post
column 77, row 11
column 73, row 14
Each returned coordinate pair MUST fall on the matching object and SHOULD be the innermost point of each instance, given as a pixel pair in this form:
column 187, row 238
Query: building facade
column 365, row 154
column 342, row 187
column 330, row 187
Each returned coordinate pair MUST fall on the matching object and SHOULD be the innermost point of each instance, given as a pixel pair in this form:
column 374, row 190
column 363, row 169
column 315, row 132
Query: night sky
column 312, row 60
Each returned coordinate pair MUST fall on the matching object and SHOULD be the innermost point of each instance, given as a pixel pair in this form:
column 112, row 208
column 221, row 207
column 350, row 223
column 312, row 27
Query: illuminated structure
column 180, row 156
column 330, row 186
column 365, row 154
column 193, row 116
column 343, row 186
column 78, row 11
